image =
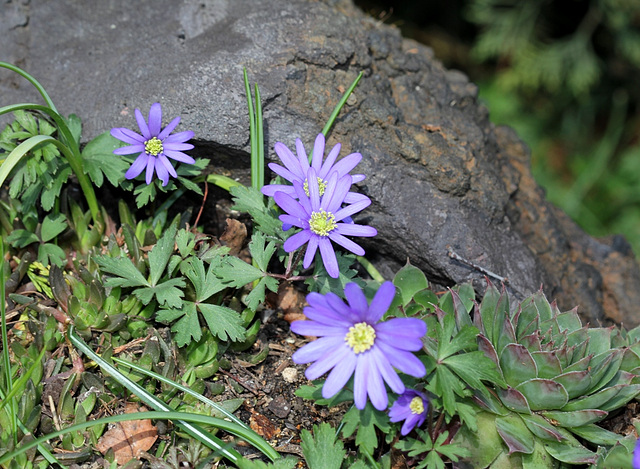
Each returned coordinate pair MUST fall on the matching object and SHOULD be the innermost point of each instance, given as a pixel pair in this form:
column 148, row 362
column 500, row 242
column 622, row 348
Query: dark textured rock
column 439, row 174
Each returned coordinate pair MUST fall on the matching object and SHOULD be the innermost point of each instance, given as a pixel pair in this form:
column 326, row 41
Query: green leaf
column 258, row 292
column 322, row 450
column 75, row 127
column 283, row 463
column 447, row 385
column 236, row 273
column 205, row 285
column 223, row 322
column 160, row 254
column 50, row 194
column 573, row 453
column 167, row 293
column 127, row 273
column 463, row 340
column 410, row 280
column 187, row 328
column 52, row 226
column 515, row 434
column 51, row 254
column 251, row 201
column 144, row 193
column 22, row 238
column 365, row 421
column 473, row 368
column 314, row 393
column 322, row 283
column 261, row 254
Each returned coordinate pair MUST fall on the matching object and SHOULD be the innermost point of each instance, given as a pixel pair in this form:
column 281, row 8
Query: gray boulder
column 445, row 183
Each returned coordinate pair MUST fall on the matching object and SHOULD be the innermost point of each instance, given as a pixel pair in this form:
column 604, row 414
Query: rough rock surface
column 439, row 173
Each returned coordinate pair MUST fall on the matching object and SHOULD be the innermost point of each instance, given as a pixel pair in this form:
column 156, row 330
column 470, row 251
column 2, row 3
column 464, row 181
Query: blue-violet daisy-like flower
column 320, row 217
column 155, row 146
column 297, row 169
column 351, row 341
column 411, row 407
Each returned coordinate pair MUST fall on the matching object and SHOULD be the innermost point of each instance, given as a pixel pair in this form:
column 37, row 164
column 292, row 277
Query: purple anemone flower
column 411, row 407
column 320, row 217
column 636, row 456
column 154, row 146
column 297, row 169
column 351, row 340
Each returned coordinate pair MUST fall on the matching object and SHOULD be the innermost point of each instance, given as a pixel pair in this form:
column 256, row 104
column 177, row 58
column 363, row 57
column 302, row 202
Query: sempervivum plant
column 561, row 378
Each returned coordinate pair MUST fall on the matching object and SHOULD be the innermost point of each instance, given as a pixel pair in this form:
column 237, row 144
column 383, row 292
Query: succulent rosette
column 154, row 146
column 352, row 341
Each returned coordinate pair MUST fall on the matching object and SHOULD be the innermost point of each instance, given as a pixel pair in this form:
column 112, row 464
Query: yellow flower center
column 322, row 223
column 416, row 405
column 360, row 337
column 153, row 146
column 322, row 185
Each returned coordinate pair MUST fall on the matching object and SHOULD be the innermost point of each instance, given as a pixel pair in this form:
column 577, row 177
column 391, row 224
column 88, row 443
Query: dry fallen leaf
column 234, row 236
column 129, row 438
column 262, row 425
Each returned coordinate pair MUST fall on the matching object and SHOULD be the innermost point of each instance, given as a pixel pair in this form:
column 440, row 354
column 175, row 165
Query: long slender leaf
column 182, row 388
column 21, row 150
column 32, row 80
column 339, row 106
column 194, row 430
column 183, row 418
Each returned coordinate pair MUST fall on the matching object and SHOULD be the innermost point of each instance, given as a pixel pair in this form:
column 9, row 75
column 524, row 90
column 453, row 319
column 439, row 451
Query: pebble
column 290, row 374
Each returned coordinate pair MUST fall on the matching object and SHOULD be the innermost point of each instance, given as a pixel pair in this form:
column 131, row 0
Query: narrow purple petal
column 357, row 300
column 314, row 189
column 142, row 125
column 290, row 220
column 386, row 370
column 333, row 202
column 178, row 156
column 347, row 163
column 167, row 164
column 318, row 153
column 169, row 128
column 328, row 361
column 151, row 163
column 353, row 197
column 137, row 167
column 339, row 376
column 335, row 302
column 302, row 197
column 316, row 329
column 358, row 178
column 327, row 166
column 297, row 240
column 401, row 329
column 289, row 160
column 177, row 146
column 316, row 349
column 351, row 229
column 360, row 380
column 405, row 362
column 162, row 172
column 326, row 315
column 290, row 205
column 283, row 172
column 127, row 136
column 353, row 208
column 312, row 247
column 329, row 257
column 131, row 149
column 180, row 137
column 271, row 189
column 380, row 304
column 303, row 159
column 155, row 119
column 346, row 243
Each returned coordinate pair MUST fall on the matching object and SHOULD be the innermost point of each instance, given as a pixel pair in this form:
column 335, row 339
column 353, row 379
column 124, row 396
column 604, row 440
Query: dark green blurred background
column 566, row 75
